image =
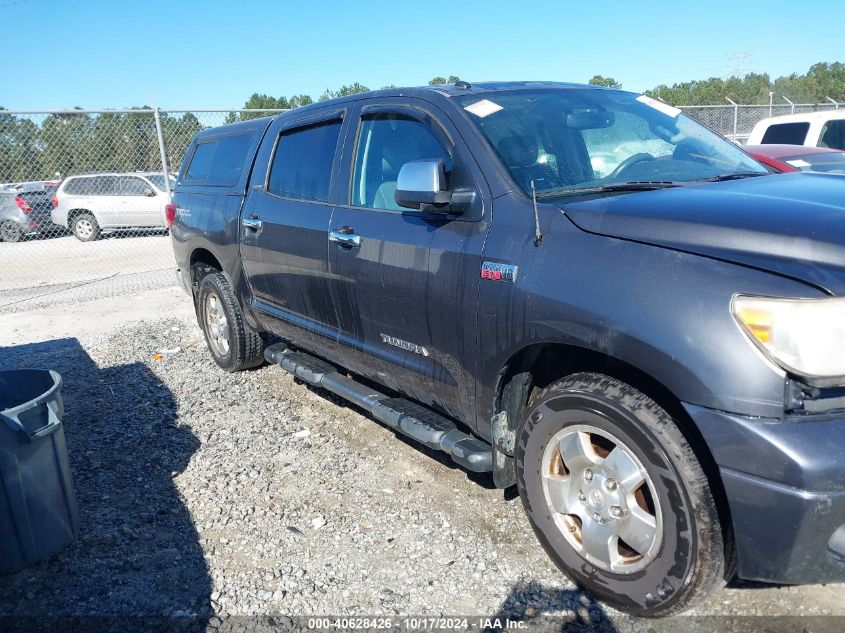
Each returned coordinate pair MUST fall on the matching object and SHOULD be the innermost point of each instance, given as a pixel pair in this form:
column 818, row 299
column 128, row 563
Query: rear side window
column 786, row 133
column 302, row 165
column 219, row 162
column 833, row 135
column 77, row 186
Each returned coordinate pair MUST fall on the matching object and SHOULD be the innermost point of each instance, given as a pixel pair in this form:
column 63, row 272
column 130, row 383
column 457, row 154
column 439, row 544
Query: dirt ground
column 205, row 493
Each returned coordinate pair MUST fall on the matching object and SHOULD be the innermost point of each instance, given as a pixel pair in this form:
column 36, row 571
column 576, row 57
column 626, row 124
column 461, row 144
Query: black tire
column 10, row 231
column 245, row 346
column 85, row 227
column 684, row 563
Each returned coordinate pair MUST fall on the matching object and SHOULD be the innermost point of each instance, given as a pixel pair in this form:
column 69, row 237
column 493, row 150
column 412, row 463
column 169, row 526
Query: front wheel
column 232, row 343
column 617, row 497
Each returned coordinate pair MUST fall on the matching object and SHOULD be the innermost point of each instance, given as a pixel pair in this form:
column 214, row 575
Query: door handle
column 345, row 237
column 252, row 222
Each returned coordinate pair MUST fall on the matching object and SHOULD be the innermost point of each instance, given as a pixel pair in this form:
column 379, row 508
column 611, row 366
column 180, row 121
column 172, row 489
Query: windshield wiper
column 737, row 175
column 639, row 185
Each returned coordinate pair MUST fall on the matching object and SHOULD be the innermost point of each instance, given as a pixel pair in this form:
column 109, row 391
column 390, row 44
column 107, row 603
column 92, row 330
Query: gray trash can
column 38, row 511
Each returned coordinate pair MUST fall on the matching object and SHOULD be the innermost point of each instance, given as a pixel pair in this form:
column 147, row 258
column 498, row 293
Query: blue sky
column 215, row 54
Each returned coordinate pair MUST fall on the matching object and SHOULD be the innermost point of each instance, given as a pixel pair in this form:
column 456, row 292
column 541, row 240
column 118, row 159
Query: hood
column 790, row 224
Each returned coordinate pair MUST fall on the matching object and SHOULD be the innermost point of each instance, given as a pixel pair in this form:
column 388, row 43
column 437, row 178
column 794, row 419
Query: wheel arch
column 77, row 211
column 201, row 263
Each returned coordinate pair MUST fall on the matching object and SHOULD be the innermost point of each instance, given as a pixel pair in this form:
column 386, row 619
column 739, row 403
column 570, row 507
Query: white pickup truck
column 814, row 129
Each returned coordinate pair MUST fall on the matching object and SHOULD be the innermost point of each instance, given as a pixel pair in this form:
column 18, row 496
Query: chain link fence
column 83, row 194
column 82, row 200
column 736, row 121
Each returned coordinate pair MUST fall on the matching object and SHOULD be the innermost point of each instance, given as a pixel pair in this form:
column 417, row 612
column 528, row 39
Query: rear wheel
column 232, row 343
column 85, row 227
column 10, row 231
column 617, row 497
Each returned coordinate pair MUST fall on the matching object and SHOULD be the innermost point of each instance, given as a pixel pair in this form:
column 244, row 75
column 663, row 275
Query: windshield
column 158, row 181
column 569, row 140
column 827, row 162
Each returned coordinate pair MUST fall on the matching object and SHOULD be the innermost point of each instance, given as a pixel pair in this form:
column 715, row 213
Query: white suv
column 91, row 203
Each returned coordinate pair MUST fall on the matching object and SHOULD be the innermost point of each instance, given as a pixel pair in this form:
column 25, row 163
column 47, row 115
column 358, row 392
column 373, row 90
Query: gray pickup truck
column 579, row 290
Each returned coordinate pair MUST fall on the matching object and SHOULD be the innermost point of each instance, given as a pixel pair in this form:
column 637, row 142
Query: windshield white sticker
column 483, row 108
column 797, row 162
column 665, row 108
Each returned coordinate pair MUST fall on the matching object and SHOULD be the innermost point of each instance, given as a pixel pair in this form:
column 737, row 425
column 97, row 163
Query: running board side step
column 404, row 416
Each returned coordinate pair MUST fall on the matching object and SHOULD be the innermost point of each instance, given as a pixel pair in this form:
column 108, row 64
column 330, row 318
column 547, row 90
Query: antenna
column 538, row 236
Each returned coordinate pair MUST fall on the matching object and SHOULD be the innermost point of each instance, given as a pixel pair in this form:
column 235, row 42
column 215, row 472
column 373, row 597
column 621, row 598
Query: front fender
column 664, row 312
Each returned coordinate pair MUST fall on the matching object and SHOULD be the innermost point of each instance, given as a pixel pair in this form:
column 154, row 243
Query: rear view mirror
column 423, row 182
column 590, row 119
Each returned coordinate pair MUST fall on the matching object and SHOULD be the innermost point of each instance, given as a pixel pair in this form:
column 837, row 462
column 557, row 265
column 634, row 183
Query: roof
column 774, row 150
column 118, row 173
column 450, row 90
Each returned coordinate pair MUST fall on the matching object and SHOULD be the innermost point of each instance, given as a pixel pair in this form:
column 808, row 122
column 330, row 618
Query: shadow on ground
column 137, row 552
column 542, row 608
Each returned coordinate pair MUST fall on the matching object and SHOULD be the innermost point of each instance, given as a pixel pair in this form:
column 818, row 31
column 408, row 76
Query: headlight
column 804, row 336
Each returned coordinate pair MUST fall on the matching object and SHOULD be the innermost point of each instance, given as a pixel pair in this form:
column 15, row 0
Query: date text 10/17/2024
column 417, row 623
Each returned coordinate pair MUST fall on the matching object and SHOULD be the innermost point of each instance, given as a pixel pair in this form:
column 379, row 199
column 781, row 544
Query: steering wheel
column 633, row 159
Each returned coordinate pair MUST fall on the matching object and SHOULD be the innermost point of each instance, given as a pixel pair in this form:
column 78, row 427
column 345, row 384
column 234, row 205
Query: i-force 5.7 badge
column 498, row 272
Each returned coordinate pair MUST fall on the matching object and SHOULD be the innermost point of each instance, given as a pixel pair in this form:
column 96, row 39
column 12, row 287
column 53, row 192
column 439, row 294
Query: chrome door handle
column 345, row 239
column 252, row 223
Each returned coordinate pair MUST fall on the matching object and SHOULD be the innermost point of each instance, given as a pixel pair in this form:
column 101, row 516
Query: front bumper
column 785, row 486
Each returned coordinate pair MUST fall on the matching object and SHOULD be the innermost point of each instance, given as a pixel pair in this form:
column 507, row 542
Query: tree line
column 63, row 144
column 822, row 81
column 72, row 143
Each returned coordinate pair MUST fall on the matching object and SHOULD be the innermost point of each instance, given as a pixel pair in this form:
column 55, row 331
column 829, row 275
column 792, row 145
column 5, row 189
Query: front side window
column 385, row 143
column 158, row 181
column 302, row 164
column 132, row 186
column 565, row 140
column 786, row 134
column 833, row 134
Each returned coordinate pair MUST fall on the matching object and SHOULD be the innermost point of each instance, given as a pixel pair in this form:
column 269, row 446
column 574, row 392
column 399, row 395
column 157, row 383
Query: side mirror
column 423, row 182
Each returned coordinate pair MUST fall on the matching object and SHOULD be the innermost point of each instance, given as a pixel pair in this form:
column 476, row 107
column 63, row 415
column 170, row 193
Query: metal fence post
column 163, row 151
column 835, row 103
column 792, row 105
column 736, row 115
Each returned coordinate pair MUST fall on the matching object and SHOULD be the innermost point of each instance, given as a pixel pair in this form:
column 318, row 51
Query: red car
column 785, row 158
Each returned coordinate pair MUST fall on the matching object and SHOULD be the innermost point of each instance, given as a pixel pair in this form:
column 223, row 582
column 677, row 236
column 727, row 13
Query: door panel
column 134, row 203
column 105, row 202
column 407, row 294
column 284, row 235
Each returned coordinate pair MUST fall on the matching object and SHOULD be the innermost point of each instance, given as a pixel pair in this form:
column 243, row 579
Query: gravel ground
column 206, row 493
